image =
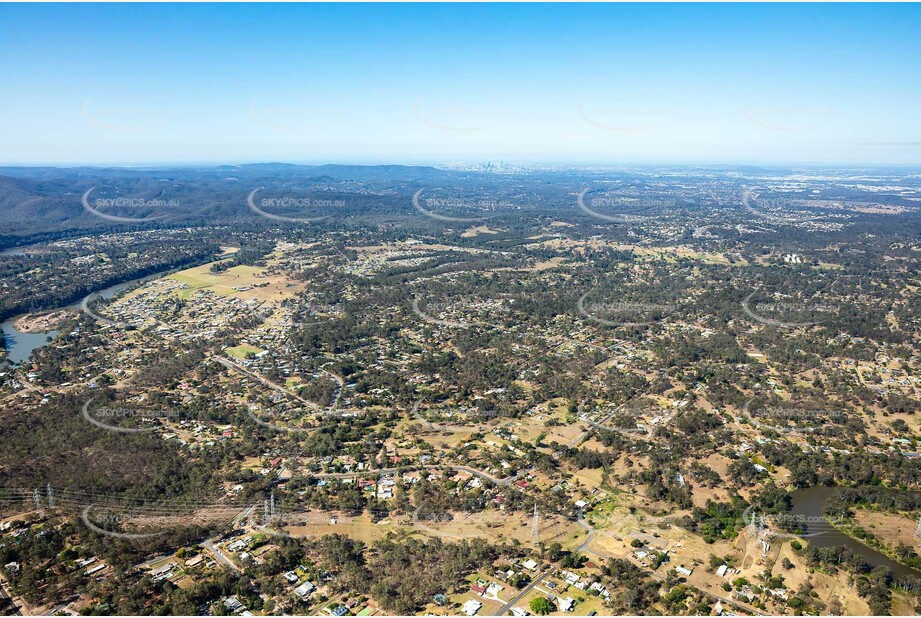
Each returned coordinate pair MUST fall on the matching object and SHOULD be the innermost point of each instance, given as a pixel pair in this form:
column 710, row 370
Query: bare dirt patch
column 39, row 323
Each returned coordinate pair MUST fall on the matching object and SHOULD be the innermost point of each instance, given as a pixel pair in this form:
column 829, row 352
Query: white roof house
column 304, row 589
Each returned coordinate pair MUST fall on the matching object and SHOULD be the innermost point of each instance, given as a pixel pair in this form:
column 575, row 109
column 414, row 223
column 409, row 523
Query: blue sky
column 422, row 83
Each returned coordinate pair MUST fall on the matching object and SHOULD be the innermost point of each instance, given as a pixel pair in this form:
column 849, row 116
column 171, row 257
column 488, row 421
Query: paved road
column 217, row 553
column 85, row 308
column 4, row 596
column 341, row 383
column 524, row 592
column 351, row 475
column 274, row 385
column 578, row 439
column 591, row 535
column 256, row 376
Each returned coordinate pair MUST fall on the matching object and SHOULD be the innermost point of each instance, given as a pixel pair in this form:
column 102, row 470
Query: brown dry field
column 476, row 231
column 500, row 526
column 588, row 478
column 360, row 528
column 372, row 249
column 554, row 262
column 495, row 526
column 200, row 277
column 670, row 253
column 200, row 517
column 903, row 604
column 700, row 495
column 890, row 528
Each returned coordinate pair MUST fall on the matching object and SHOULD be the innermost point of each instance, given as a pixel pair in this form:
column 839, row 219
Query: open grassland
column 222, row 283
column 245, row 282
column 890, row 529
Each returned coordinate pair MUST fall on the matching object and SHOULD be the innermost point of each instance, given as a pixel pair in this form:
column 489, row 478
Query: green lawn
column 241, row 351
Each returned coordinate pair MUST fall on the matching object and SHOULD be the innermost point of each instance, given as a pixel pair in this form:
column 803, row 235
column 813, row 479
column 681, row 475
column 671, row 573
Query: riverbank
column 871, row 539
column 26, row 332
column 809, row 506
column 32, row 323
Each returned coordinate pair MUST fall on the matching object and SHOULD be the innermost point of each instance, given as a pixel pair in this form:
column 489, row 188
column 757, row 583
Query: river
column 810, row 504
column 19, row 345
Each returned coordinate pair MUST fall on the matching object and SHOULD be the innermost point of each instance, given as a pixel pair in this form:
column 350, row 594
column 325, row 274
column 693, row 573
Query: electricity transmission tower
column 535, row 521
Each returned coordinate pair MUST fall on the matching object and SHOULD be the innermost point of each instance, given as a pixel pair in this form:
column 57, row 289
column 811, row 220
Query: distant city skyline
column 583, row 84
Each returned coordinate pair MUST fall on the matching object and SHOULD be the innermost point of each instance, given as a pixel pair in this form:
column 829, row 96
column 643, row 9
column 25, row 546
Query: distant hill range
column 43, row 203
column 48, row 200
